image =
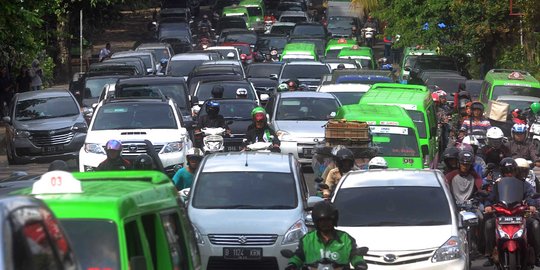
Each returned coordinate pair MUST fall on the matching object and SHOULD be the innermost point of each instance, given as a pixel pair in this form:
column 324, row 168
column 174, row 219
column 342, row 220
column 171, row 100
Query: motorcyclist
column 377, row 163
column 344, row 161
column 477, row 120
column 479, row 163
column 509, row 171
column 212, row 118
column 315, row 245
column 260, row 131
column 205, row 22
column 183, row 178
column 495, row 150
column 450, row 159
column 464, row 182
column 143, row 162
column 519, row 146
column 114, row 160
column 524, row 172
column 370, row 23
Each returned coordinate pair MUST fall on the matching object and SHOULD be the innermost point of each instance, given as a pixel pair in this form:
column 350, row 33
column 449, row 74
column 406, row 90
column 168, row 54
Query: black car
column 43, row 126
column 343, row 26
column 177, row 34
column 214, row 72
column 238, row 36
column 260, row 75
column 309, row 29
column 266, row 42
column 92, row 88
column 230, row 22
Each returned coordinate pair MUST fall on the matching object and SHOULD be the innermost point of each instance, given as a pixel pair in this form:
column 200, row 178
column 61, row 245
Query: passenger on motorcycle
column 464, row 182
column 519, row 146
column 326, row 243
column 183, row 178
column 450, row 159
column 509, row 169
column 114, row 161
column 377, row 163
column 344, row 161
column 524, row 172
column 495, row 150
column 260, row 131
column 477, row 121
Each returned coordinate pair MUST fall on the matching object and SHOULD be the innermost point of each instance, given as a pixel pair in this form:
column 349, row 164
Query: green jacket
column 311, row 249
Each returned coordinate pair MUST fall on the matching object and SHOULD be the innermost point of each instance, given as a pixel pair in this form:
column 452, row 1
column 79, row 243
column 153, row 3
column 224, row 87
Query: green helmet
column 257, row 110
column 282, row 87
column 535, row 107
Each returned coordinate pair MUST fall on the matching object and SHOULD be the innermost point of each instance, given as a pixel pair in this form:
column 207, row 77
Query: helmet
column 194, row 153
column 342, row 156
column 508, row 166
column 494, row 133
column 114, row 145
column 535, row 107
column 324, row 210
column 477, row 106
column 470, row 140
column 217, row 91
column 282, row 87
column 466, row 157
column 258, row 114
column 435, row 96
column 58, row 165
column 241, row 92
column 292, row 83
column 143, row 162
column 212, row 107
column 340, row 66
column 377, row 163
column 450, row 153
column 523, row 168
column 519, row 129
column 441, row 92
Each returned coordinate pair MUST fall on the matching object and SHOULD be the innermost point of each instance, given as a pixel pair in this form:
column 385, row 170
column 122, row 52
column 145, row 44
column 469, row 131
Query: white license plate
column 238, row 253
column 510, row 220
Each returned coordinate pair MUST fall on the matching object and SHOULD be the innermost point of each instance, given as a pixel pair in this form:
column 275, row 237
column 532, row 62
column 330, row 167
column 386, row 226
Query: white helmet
column 494, row 133
column 377, row 163
column 470, row 140
column 522, row 163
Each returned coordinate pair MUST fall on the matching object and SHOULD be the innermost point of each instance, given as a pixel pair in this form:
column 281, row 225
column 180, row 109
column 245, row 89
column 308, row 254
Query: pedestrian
column 387, row 47
column 105, row 52
column 36, row 73
column 6, row 87
column 23, row 80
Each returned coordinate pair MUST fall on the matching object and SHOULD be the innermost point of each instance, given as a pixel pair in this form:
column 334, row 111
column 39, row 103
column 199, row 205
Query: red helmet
column 435, row 97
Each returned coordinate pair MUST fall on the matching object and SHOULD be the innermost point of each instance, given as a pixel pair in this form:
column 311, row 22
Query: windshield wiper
column 279, row 207
column 240, row 206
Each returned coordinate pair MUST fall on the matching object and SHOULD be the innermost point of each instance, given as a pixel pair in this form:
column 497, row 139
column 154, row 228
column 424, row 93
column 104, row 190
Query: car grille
column 400, row 259
column 54, row 137
column 243, row 239
column 219, row 263
column 137, row 148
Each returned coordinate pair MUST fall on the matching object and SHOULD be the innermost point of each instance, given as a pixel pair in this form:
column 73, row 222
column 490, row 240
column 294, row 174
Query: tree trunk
column 63, row 59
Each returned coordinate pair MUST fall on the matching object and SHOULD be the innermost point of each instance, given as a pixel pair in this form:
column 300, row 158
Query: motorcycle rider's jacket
column 312, row 249
column 481, row 123
column 206, row 23
column 266, row 134
column 523, row 149
column 116, row 164
column 528, row 192
column 494, row 155
column 463, row 187
column 210, row 121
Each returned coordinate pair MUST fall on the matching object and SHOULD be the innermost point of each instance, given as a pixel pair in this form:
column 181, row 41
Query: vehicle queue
column 192, row 152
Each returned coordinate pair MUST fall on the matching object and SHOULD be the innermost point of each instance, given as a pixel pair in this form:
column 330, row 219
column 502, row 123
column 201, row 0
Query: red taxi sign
column 515, row 76
column 342, row 41
column 57, row 182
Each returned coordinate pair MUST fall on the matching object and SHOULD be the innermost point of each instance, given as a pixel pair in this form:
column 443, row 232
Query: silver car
column 246, row 207
column 298, row 119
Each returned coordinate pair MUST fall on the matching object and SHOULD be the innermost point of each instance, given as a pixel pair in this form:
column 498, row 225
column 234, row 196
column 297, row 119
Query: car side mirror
column 312, row 200
column 94, row 105
column 274, row 77
column 137, row 263
column 194, row 100
column 407, row 68
column 265, row 97
column 6, row 119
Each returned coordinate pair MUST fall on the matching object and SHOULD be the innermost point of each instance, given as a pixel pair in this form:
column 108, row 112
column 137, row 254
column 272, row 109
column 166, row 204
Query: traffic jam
column 259, row 134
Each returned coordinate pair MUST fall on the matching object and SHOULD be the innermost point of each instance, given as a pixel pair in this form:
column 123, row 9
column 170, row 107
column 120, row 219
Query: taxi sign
column 57, row 182
column 515, row 76
column 389, row 130
column 342, row 41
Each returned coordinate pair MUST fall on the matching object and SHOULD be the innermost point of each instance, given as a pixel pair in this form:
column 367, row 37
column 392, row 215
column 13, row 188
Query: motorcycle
column 184, row 196
column 467, row 211
column 325, row 263
column 213, row 139
column 368, row 34
column 268, row 22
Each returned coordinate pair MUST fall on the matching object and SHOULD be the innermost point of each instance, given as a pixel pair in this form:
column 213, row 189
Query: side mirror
column 94, row 105
column 6, row 119
column 274, row 77
column 87, row 111
column 194, row 100
column 137, row 263
column 468, row 219
column 312, row 200
column 407, row 68
column 287, row 253
column 265, row 97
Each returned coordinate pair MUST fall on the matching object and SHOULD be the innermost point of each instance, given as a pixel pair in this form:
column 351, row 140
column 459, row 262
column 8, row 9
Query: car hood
column 301, row 129
column 400, row 238
column 208, row 221
column 156, row 136
column 48, row 124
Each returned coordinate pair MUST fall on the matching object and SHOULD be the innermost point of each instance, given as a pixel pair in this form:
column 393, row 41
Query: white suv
column 132, row 121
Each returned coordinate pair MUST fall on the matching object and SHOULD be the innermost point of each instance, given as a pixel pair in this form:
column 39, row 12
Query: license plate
column 510, row 220
column 230, row 253
column 232, row 148
column 52, row 149
column 308, row 152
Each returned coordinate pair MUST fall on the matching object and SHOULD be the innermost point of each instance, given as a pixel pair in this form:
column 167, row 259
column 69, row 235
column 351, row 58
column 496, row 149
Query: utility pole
column 81, row 41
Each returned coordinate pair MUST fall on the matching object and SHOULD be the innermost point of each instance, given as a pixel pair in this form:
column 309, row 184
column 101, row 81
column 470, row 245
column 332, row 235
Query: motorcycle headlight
column 172, row 147
column 503, row 234
column 198, row 235
column 450, row 250
column 518, row 234
column 295, row 232
column 213, row 142
column 284, row 135
column 94, row 148
column 22, row 134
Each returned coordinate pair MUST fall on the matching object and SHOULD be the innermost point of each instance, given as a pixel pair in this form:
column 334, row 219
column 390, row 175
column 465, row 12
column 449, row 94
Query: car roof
column 222, row 62
column 375, row 113
column 293, row 13
column 151, row 80
column 392, row 178
column 132, row 53
column 283, row 24
column 501, row 76
column 190, row 56
column 344, row 87
column 518, row 98
column 311, row 63
column 153, row 45
column 246, row 162
column 43, row 94
column 306, row 94
column 220, row 47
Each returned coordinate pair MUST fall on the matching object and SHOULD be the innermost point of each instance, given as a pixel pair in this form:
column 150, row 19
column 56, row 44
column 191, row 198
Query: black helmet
column 217, row 91
column 323, row 210
column 143, row 162
column 477, row 106
column 212, row 107
column 344, row 154
column 450, row 152
column 508, row 165
column 466, row 157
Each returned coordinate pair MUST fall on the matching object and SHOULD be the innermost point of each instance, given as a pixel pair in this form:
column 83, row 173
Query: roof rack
column 502, row 70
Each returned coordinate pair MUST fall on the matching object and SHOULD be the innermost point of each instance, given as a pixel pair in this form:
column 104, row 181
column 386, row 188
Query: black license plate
column 308, row 152
column 52, row 149
column 510, row 220
column 232, row 148
column 238, row 253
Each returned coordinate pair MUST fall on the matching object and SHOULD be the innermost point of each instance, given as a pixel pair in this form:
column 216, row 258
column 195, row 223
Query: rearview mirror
column 274, row 77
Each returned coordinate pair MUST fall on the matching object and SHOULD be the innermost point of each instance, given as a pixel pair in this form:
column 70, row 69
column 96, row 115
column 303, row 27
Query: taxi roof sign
column 515, row 76
column 57, row 182
column 342, row 41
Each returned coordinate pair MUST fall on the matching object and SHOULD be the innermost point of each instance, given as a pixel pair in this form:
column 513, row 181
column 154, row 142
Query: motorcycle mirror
column 361, row 251
column 287, row 253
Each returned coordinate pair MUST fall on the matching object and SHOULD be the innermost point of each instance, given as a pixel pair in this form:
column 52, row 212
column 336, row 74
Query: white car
column 347, row 93
column 132, row 121
column 407, row 218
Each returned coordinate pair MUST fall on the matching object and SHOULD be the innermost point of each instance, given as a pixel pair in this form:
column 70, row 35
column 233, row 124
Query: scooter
column 368, row 34
column 470, row 220
column 325, row 263
column 213, row 140
column 184, row 196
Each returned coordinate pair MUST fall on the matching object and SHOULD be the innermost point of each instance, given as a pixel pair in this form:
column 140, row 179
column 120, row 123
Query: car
column 299, row 51
column 271, row 41
column 309, row 29
column 113, row 68
column 474, row 87
column 307, row 72
column 334, row 46
column 346, row 93
column 298, row 119
column 362, row 55
column 42, row 126
column 132, row 121
column 236, row 35
column 160, row 50
column 177, row 34
column 176, row 14
column 445, row 80
column 363, row 76
column 336, row 62
column 222, row 63
column 263, row 196
column 150, row 61
column 256, row 13
column 343, row 26
column 259, row 75
column 294, row 17
column 203, row 90
column 93, row 85
column 409, row 59
column 182, row 64
column 134, row 61
column 226, row 52
column 247, row 56
column 231, row 22
column 281, row 28
column 33, row 238
column 416, row 225
column 498, row 82
column 238, row 11
column 214, row 72
column 436, row 62
column 290, row 6
column 320, row 43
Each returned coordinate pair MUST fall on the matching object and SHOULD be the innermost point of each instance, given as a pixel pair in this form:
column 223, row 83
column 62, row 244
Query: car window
column 182, row 67
column 95, row 242
column 293, row 19
column 134, row 243
column 93, row 86
column 314, row 109
column 160, row 53
column 245, row 190
column 281, row 29
column 396, row 206
column 419, row 122
column 45, row 108
column 233, row 110
column 177, row 248
column 348, row 98
column 204, row 91
column 394, row 141
column 304, row 71
column 175, row 91
column 135, row 116
column 262, row 71
column 518, row 90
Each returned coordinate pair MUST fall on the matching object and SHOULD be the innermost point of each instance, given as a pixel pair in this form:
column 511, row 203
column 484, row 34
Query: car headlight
column 284, row 135
column 198, row 235
column 294, row 233
column 535, row 128
column 22, row 134
column 80, row 127
column 450, row 250
column 172, row 147
column 94, row 148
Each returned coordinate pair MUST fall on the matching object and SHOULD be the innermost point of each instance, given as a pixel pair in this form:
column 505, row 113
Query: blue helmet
column 113, row 145
column 519, row 128
column 212, row 107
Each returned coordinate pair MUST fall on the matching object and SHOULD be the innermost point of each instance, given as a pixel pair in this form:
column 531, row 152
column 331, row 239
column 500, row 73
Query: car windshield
column 340, row 24
column 293, row 19
column 515, row 90
column 95, row 242
column 262, row 71
column 204, row 91
column 308, row 30
column 233, row 110
column 175, row 91
column 304, row 71
column 45, row 108
column 245, row 190
column 392, row 141
column 93, row 86
column 281, row 29
column 308, row 109
column 160, row 53
column 135, row 116
column 333, row 53
column 182, row 67
column 319, row 43
column 177, row 30
column 419, row 122
column 274, row 42
column 396, row 206
column 254, row 11
column 348, row 98
column 241, row 37
column 435, row 63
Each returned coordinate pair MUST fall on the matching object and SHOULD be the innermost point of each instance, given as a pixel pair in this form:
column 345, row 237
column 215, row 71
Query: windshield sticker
column 115, row 110
column 389, row 123
column 389, row 130
column 517, row 84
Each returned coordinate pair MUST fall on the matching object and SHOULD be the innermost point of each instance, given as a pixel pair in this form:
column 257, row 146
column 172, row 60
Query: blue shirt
column 183, row 179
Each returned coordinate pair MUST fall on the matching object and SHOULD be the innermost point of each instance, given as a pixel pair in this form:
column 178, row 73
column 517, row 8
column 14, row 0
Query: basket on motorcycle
column 347, row 133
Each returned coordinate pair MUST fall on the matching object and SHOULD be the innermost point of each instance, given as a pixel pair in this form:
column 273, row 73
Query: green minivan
column 120, row 220
column 256, row 13
column 362, row 55
column 504, row 82
column 417, row 101
column 334, row 46
column 299, row 51
column 237, row 11
column 393, row 132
